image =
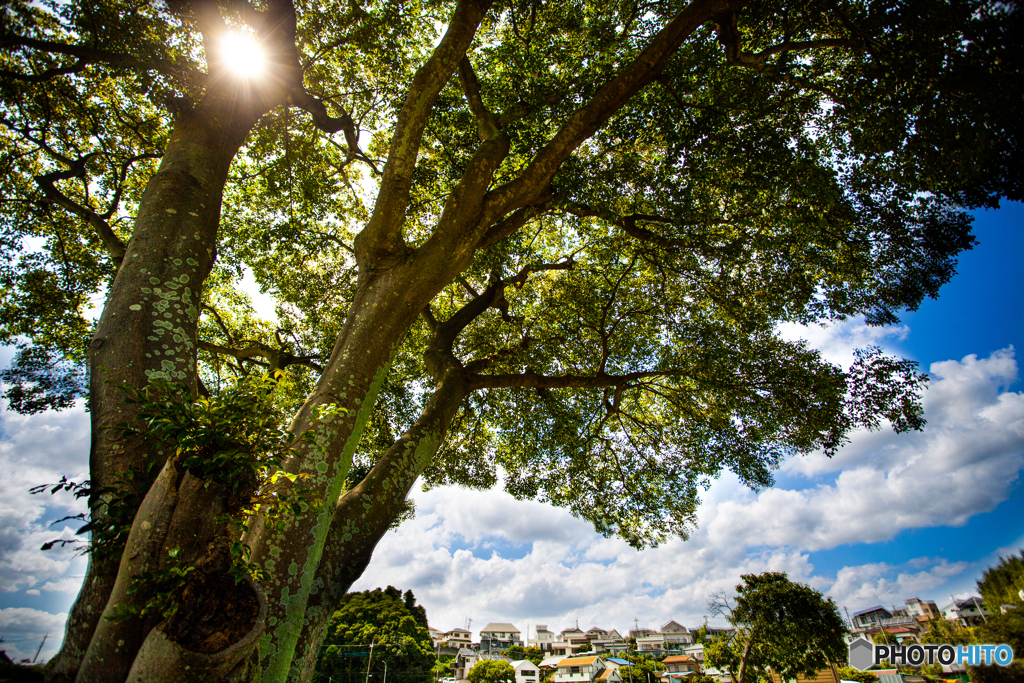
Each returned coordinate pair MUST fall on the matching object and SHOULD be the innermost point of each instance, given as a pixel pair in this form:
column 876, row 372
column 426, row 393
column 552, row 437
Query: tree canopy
column 492, row 671
column 392, row 623
column 549, row 245
column 787, row 627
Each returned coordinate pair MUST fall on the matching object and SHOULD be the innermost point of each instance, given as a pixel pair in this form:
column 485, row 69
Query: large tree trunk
column 147, row 330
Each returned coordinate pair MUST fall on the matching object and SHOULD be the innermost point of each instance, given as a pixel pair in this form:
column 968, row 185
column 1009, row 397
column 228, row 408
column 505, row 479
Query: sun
column 243, row 55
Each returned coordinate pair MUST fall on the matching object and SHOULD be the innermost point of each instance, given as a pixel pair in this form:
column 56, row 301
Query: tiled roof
column 869, row 610
column 501, row 628
column 605, row 674
column 577, row 661
column 678, row 658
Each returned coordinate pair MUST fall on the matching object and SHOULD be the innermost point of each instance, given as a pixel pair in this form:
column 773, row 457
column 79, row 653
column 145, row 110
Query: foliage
column 515, row 652
column 1001, row 585
column 534, row 654
column 492, row 671
column 787, row 627
column 640, row 669
column 1001, row 628
column 848, row 673
column 950, row 631
column 393, row 623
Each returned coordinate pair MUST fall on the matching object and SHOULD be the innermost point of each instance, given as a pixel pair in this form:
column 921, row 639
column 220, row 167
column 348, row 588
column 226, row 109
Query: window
column 574, row 669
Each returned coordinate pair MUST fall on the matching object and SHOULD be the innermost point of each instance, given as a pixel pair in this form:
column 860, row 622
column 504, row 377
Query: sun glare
column 243, row 55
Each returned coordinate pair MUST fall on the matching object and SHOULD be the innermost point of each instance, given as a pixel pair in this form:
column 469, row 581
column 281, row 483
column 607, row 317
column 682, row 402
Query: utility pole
column 369, row 660
column 40, row 648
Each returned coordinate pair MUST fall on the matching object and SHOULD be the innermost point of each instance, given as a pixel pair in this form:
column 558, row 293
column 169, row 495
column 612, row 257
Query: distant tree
column 848, row 673
column 949, row 631
column 442, row 667
column 492, row 671
column 534, row 654
column 1001, row 585
column 789, row 627
column 1001, row 628
column 393, row 623
column 514, row 653
column 640, row 668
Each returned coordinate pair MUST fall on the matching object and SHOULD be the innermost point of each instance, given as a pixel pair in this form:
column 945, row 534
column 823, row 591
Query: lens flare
column 243, row 55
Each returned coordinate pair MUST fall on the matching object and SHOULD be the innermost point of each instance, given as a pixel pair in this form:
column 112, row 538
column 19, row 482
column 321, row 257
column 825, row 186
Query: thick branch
column 382, row 236
column 115, row 247
column 730, row 38
column 530, row 379
column 585, row 121
column 95, row 55
column 486, row 122
column 47, row 75
column 276, row 359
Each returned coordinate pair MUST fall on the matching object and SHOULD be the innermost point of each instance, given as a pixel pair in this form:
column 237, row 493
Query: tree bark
column 365, row 513
column 148, row 329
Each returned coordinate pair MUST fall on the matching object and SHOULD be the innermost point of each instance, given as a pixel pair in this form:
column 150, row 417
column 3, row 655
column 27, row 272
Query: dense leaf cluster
column 374, row 628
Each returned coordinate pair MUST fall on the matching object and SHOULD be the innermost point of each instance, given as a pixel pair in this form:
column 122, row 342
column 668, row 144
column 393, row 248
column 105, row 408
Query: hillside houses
column 595, row 655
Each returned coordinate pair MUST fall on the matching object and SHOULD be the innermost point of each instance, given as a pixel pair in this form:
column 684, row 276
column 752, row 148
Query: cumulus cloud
column 36, row 450
column 25, row 628
column 837, row 340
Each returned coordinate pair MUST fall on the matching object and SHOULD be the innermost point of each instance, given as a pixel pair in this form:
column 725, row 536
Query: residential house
column 969, row 612
column 653, row 644
column 497, row 637
column 609, row 675
column 635, row 633
column 612, row 642
column 435, row 636
column 549, row 664
column 570, row 642
column 583, row 670
column 544, row 639
column 526, row 671
column 681, row 664
column 457, row 637
column 870, row 617
column 676, row 635
column 465, row 659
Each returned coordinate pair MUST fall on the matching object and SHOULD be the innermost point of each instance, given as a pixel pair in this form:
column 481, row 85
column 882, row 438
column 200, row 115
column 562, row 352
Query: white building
column 526, row 671
column 544, row 639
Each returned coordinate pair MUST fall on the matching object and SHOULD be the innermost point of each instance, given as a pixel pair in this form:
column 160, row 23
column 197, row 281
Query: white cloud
column 836, row 341
column 24, row 629
column 37, row 450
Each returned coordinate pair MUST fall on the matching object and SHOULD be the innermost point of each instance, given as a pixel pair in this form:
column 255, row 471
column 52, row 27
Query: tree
column 555, row 239
column 949, row 631
column 787, row 627
column 1002, row 584
column 999, row 585
column 640, row 669
column 492, row 671
column 534, row 654
column 515, row 652
column 392, row 623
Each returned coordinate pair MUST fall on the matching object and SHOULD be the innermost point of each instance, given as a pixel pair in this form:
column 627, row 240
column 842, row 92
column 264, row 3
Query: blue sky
column 890, row 517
